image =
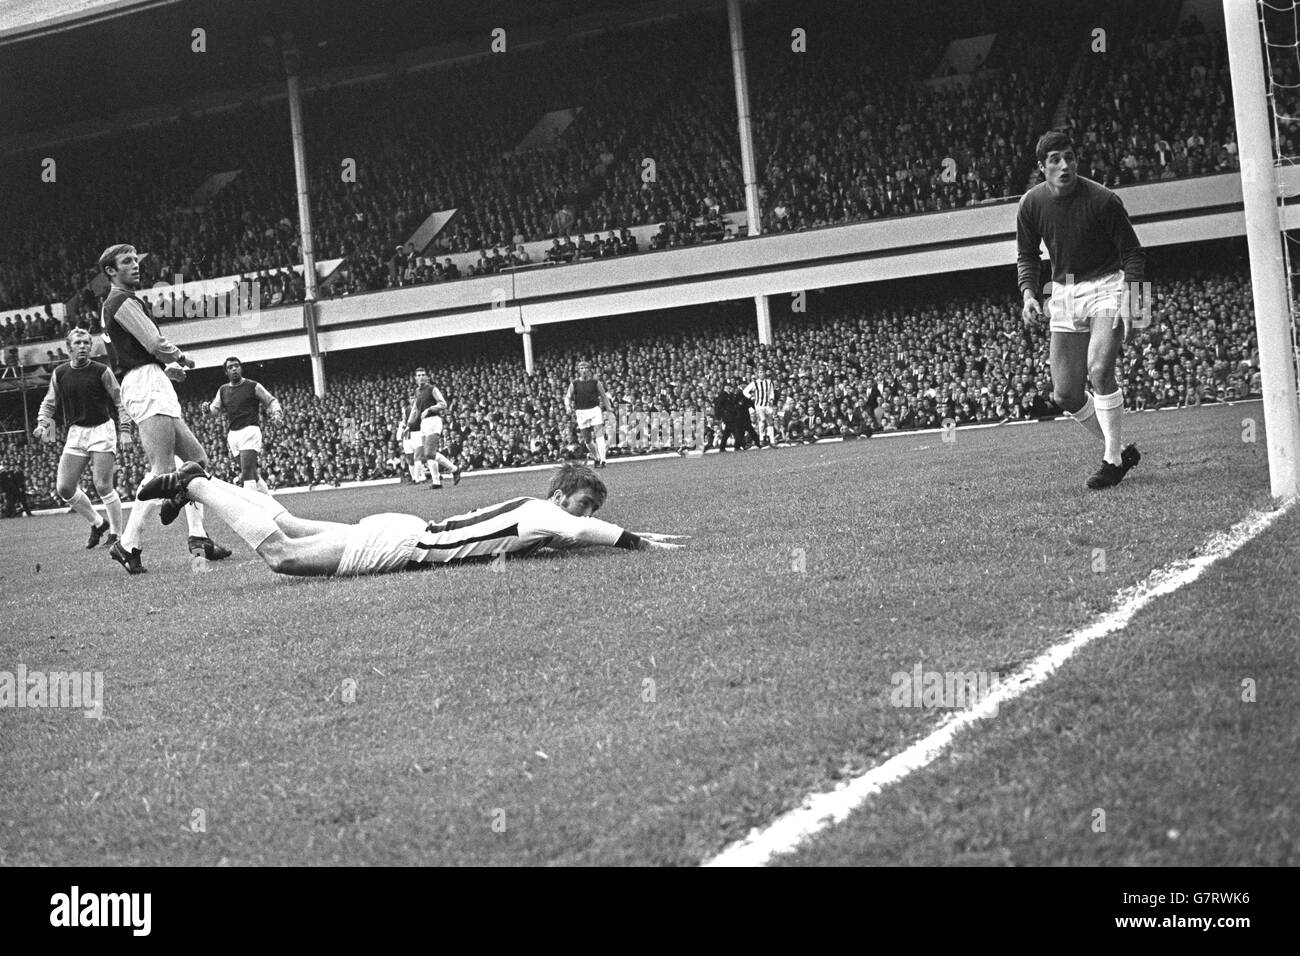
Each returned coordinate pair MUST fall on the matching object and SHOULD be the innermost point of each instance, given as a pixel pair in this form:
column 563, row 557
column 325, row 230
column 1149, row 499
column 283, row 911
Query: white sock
column 82, row 506
column 1087, row 417
column 253, row 526
column 1110, row 410
column 113, row 505
column 445, row 462
column 141, row 512
column 250, row 484
column 194, row 516
column 600, row 447
column 418, row 474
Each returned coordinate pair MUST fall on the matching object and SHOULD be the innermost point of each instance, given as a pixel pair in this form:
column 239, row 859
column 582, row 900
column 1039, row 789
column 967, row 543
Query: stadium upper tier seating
column 847, row 130
column 860, row 360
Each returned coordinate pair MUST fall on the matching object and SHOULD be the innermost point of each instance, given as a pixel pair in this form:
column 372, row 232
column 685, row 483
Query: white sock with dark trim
column 113, row 507
column 1087, row 417
column 82, row 506
column 1110, row 412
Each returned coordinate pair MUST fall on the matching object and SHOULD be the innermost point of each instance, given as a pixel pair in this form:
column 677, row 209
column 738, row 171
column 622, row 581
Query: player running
column 382, row 543
column 762, row 393
column 586, row 399
column 86, row 396
column 146, row 365
column 1097, row 269
column 242, row 400
column 425, row 432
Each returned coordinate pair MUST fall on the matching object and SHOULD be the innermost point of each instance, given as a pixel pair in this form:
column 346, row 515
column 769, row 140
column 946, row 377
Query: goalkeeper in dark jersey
column 1097, row 270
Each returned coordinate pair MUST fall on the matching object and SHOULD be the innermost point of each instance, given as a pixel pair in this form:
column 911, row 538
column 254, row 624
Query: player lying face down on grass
column 381, row 543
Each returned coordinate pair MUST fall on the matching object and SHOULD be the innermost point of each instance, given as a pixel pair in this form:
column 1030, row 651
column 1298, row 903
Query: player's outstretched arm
column 213, row 407
column 554, row 521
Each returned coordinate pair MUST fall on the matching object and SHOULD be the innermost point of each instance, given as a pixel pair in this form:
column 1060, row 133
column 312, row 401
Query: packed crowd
column 1160, row 109
column 911, row 356
column 848, row 130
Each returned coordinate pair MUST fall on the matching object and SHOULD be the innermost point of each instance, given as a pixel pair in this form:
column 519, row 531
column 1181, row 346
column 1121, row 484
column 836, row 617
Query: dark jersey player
column 85, row 395
column 587, row 399
column 382, row 543
column 1097, row 268
column 243, row 400
column 146, row 365
column 424, row 429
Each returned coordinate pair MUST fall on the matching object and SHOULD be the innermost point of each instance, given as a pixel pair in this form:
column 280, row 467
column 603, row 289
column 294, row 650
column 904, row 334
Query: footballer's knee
column 277, row 553
column 104, row 488
column 66, row 492
column 1102, row 376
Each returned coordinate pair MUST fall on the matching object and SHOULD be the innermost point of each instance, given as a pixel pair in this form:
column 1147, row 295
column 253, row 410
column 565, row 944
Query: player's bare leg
column 440, row 461
column 1068, row 355
column 429, row 448
column 1104, row 345
column 189, row 448
column 288, row 544
column 158, row 439
column 102, row 466
column 248, row 472
column 68, row 487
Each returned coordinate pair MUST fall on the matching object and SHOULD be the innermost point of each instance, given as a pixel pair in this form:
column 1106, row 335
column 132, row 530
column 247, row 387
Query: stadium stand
column 841, row 138
column 863, row 360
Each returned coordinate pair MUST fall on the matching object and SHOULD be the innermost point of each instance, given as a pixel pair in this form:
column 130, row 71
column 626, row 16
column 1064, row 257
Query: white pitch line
column 822, row 810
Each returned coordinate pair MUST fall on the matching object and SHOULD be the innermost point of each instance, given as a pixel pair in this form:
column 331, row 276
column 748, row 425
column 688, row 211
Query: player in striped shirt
column 382, row 543
column 762, row 393
column 1097, row 269
column 86, row 396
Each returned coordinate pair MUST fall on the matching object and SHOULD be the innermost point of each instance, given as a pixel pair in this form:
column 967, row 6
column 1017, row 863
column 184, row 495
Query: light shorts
column 378, row 544
column 245, row 439
column 432, row 425
column 412, row 443
column 1072, row 309
column 766, row 414
column 590, row 417
column 83, row 441
column 147, row 391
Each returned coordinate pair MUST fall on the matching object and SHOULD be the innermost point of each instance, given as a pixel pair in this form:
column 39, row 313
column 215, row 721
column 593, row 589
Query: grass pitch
column 649, row 708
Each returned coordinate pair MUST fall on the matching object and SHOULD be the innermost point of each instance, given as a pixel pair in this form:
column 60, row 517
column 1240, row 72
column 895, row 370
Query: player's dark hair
column 573, row 477
column 422, row 369
column 1052, row 141
column 109, row 256
column 231, row 359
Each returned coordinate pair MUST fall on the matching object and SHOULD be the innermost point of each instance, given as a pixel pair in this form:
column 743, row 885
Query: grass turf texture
column 503, row 713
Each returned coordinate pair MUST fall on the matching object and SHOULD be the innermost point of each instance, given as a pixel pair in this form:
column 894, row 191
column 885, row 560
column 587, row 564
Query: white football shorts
column 378, row 544
column 1073, row 307
column 431, row 425
column 412, row 443
column 147, row 391
column 245, row 439
column 83, row 440
column 590, row 417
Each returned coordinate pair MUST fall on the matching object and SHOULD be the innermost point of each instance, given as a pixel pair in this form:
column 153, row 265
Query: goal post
column 1268, row 275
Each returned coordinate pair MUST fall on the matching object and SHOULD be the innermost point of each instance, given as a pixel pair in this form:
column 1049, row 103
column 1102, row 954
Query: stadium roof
column 65, row 61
